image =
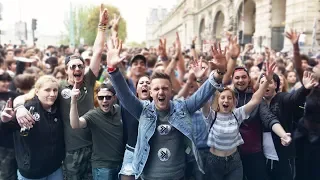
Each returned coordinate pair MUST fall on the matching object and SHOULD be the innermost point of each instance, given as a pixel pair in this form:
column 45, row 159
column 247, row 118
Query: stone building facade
column 262, row 23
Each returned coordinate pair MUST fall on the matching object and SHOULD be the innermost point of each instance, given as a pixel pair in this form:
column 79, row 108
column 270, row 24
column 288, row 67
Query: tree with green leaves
column 85, row 23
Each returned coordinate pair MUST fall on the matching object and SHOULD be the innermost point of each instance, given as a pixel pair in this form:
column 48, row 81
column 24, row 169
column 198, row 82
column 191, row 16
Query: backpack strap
column 235, row 117
column 214, row 119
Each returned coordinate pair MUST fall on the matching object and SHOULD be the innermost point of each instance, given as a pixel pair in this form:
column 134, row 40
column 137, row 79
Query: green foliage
column 136, row 45
column 86, row 20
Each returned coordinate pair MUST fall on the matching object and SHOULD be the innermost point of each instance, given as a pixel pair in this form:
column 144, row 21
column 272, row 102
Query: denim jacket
column 181, row 112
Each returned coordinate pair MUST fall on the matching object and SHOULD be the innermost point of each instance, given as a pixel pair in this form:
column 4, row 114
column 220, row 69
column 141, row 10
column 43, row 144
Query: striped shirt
column 224, row 134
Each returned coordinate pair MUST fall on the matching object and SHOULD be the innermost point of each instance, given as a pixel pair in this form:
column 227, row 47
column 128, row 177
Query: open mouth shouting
column 161, row 99
column 77, row 76
column 144, row 90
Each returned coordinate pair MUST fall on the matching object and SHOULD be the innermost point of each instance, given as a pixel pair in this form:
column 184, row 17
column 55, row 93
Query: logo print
column 36, row 116
column 164, row 154
column 164, row 129
column 66, row 93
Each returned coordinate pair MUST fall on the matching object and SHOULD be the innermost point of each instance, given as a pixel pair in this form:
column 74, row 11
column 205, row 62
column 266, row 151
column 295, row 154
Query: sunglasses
column 74, row 66
column 102, row 97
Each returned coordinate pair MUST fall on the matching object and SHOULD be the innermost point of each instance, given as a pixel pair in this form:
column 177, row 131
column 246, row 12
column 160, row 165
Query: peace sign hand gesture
column 103, row 15
column 8, row 113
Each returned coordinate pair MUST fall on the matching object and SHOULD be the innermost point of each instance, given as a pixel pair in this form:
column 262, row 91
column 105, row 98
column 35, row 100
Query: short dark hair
column 24, row 81
column 5, row 77
column 275, row 78
column 17, row 51
column 160, row 75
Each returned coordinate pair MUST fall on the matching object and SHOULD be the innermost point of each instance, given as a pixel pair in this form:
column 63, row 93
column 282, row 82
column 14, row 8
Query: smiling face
column 75, row 71
column 241, row 80
column 161, row 92
column 106, row 99
column 47, row 94
column 143, row 88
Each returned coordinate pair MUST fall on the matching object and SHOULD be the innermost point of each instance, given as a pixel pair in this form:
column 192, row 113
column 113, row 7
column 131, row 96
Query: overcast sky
column 52, row 13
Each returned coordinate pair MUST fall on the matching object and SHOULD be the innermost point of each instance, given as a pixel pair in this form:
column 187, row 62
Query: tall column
column 300, row 15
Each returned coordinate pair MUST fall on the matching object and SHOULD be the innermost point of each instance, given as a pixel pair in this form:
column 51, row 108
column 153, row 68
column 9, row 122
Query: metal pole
column 71, row 35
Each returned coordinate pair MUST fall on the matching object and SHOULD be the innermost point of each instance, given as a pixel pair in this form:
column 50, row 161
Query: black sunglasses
column 102, row 97
column 74, row 66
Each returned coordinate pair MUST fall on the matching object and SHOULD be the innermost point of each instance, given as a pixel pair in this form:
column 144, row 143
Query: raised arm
column 203, row 94
column 99, row 42
column 127, row 99
column 75, row 121
column 293, row 36
column 270, row 121
column 257, row 96
column 232, row 55
column 299, row 96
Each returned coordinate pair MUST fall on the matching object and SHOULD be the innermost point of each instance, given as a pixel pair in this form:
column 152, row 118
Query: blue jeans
column 57, row 175
column 105, row 174
column 224, row 168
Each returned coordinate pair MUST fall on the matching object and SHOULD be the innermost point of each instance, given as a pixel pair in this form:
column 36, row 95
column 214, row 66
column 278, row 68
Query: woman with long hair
column 130, row 133
column 223, row 121
column 39, row 148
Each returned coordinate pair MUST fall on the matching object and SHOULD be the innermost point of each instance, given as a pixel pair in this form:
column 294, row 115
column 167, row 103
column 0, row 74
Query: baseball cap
column 72, row 57
column 107, row 87
column 137, row 57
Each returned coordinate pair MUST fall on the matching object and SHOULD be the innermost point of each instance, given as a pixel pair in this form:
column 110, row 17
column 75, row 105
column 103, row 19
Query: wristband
column 193, row 46
column 234, row 58
column 111, row 69
column 165, row 58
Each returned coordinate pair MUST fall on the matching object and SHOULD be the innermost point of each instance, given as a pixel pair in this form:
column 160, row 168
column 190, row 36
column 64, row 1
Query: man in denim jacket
column 163, row 123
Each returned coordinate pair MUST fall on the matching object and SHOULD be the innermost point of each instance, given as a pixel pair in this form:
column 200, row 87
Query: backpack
column 215, row 117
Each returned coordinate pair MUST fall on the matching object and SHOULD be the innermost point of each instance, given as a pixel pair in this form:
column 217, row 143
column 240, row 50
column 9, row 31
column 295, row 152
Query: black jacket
column 41, row 152
column 283, row 106
column 252, row 128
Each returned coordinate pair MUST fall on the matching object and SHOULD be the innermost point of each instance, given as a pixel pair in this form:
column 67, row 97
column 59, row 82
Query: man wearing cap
column 106, row 127
column 138, row 67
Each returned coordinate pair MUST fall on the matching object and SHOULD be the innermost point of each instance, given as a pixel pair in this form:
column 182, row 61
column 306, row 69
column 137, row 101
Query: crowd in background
column 78, row 108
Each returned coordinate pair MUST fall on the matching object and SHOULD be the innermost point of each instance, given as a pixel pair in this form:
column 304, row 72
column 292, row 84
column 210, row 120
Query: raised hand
column 161, row 51
column 104, row 17
column 219, row 57
column 115, row 22
column 197, row 69
column 233, row 47
column 309, row 81
column 270, row 70
column 8, row 112
column 177, row 47
column 293, row 36
column 75, row 92
column 113, row 52
column 286, row 140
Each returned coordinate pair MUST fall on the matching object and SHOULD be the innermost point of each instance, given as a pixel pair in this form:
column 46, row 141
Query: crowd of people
column 159, row 113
